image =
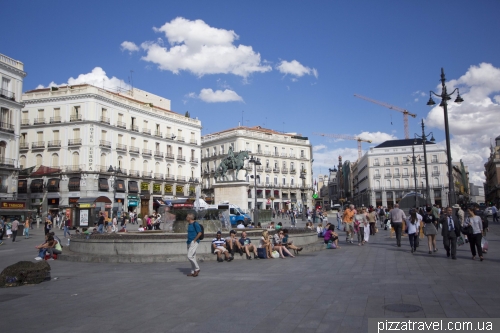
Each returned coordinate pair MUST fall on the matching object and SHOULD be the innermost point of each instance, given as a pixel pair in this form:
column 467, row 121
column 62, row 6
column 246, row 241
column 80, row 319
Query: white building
column 127, row 149
column 285, row 157
column 385, row 173
column 11, row 80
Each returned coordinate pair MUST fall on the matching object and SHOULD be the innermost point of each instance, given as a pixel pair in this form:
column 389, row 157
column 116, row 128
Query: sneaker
column 256, row 257
column 230, row 259
column 50, row 259
column 38, row 258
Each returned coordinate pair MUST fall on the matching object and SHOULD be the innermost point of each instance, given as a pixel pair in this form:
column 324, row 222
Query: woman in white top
column 360, row 221
column 265, row 243
column 477, row 233
column 278, row 244
column 413, row 226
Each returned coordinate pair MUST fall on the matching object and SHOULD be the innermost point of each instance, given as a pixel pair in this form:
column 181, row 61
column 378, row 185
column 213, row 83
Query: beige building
column 285, row 158
column 128, row 149
column 492, row 174
column 11, row 87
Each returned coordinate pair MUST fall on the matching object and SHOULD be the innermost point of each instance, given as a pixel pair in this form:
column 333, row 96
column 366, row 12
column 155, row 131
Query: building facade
column 11, row 80
column 461, row 182
column 126, row 148
column 284, row 178
column 492, row 174
column 385, row 174
column 476, row 193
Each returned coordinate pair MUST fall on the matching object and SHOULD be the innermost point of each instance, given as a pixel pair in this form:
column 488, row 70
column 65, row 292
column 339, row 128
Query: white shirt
column 412, row 228
column 240, row 226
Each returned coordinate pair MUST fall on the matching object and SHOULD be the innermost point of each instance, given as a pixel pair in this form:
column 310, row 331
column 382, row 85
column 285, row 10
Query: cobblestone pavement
column 326, row 291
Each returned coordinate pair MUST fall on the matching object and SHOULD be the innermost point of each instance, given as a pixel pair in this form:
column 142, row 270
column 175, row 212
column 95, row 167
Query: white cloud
column 376, row 137
column 295, row 68
column 418, row 93
column 96, row 77
column 475, row 121
column 319, row 147
column 129, row 46
column 218, row 96
column 329, row 158
column 201, row 49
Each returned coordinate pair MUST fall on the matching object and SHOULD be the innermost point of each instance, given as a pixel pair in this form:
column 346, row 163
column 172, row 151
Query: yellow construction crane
column 346, row 137
column 395, row 108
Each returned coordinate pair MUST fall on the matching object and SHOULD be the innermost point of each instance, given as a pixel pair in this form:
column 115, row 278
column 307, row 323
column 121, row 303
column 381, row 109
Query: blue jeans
column 27, row 232
column 100, row 228
column 66, row 231
column 339, row 221
column 41, row 253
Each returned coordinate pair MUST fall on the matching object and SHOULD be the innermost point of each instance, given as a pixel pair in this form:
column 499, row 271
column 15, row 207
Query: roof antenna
column 132, row 82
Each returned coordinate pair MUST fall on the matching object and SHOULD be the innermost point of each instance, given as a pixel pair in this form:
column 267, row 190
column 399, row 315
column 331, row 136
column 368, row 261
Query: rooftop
column 403, row 143
column 11, row 62
column 256, row 132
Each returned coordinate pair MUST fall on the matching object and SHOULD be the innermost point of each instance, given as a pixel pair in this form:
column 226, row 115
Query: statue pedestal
column 234, row 192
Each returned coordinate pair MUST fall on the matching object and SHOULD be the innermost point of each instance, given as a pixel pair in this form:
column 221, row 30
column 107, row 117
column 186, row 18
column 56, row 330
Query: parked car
column 488, row 211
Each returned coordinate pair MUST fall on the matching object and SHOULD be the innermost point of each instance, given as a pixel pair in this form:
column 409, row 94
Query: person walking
column 430, row 229
column 412, row 223
column 372, row 219
column 193, row 239
column 348, row 220
column 360, row 222
column 494, row 210
column 13, row 228
column 450, row 231
column 67, row 222
column 397, row 216
column 477, row 233
column 27, row 228
column 100, row 223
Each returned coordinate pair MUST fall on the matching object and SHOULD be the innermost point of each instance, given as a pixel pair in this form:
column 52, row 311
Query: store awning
column 133, row 187
column 103, row 184
column 90, row 201
column 53, row 185
column 36, row 185
column 44, row 170
column 120, row 185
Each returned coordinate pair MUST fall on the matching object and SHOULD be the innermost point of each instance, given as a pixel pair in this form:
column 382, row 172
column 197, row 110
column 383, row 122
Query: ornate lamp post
column 424, row 140
column 445, row 97
column 414, row 159
column 303, row 177
column 256, row 163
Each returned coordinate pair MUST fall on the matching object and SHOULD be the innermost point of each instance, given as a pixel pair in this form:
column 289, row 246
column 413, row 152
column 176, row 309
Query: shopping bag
column 460, row 241
column 484, row 244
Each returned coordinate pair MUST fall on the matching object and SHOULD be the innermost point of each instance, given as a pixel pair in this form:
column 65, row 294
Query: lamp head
column 432, row 138
column 431, row 101
column 459, row 99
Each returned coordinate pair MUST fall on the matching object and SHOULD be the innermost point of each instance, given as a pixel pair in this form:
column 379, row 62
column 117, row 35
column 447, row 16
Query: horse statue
column 221, row 171
column 231, row 162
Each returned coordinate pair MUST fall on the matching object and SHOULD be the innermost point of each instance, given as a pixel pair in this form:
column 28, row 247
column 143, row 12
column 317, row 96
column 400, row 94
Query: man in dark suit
column 450, row 232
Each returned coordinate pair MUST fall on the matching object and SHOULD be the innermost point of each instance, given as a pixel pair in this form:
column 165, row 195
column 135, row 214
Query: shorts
column 110, row 224
column 220, row 249
column 349, row 227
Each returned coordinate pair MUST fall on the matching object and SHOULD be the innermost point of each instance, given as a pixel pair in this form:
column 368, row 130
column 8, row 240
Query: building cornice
column 12, row 69
column 234, row 136
column 110, row 101
column 11, row 104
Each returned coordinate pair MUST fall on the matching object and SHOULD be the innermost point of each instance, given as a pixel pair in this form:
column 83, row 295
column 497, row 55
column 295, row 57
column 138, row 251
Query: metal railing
column 25, row 122
column 7, row 94
column 147, row 174
column 73, row 168
column 181, row 158
column 133, row 150
column 170, row 177
column 158, row 154
column 38, row 145
column 293, row 171
column 54, row 120
column 169, row 156
column 105, row 120
column 75, row 117
column 193, row 160
column 146, row 131
column 104, row 143
column 158, row 134
column 193, row 142
column 54, row 144
column 6, row 127
column 276, row 170
column 24, row 146
column 9, row 162
column 180, row 138
column 121, row 146
column 134, row 128
column 38, row 121
column 147, row 152
column 181, row 178
column 158, row 175
column 436, row 173
column 134, row 173
column 121, row 124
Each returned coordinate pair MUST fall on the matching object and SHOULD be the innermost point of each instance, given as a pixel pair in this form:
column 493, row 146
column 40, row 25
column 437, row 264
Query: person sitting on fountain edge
column 233, row 243
column 248, row 246
column 219, row 246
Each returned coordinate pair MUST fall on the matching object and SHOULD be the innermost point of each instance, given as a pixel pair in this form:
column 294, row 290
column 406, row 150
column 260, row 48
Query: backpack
column 202, row 230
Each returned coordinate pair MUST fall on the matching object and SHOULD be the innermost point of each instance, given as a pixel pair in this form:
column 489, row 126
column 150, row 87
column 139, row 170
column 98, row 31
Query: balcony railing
column 259, row 152
column 24, row 146
column 293, row 171
column 7, row 94
column 387, row 163
column 121, row 146
column 276, row 154
column 104, row 144
column 267, row 153
column 268, row 169
column 397, row 175
column 25, row 122
column 193, row 160
column 6, row 127
column 260, row 169
column 38, row 121
column 376, row 164
column 193, row 179
column 169, row 156
column 406, row 175
column 74, row 142
column 55, row 120
column 54, row 144
column 193, row 142
column 434, row 161
column 180, row 138
column 158, row 134
column 105, row 120
column 147, row 174
column 158, row 175
column 147, row 152
column 376, row 176
column 121, row 124
column 146, row 131
column 292, row 155
column 181, row 178
column 388, row 175
column 38, row 145
column 75, row 117
column 133, row 150
column 395, row 163
column 283, row 154
column 181, row 158
column 73, row 168
column 7, row 162
column 158, row 154
column 135, row 173
column 134, row 128
column 436, row 173
column 276, row 170
column 170, row 177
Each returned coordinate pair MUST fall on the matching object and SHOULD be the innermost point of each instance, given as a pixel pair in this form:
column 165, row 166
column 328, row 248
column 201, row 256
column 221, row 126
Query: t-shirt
column 15, row 225
column 219, row 242
column 101, row 220
column 240, row 226
column 193, row 230
column 348, row 215
column 245, row 241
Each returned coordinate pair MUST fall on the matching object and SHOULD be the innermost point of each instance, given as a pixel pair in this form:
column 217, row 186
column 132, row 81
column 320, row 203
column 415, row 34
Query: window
column 55, row 134
column 292, row 181
column 396, row 160
column 179, row 151
column 40, row 114
column 169, row 149
column 157, row 146
column 397, row 184
column 132, row 164
column 76, row 133
column 132, row 142
column 5, row 84
column 275, row 180
column 387, row 161
column 377, row 172
column 387, row 171
column 396, row 172
column 145, row 166
column 302, row 154
column 38, row 160
column 222, row 149
column 405, row 171
column 75, row 111
column 145, row 144
column 267, row 163
column 434, row 158
column 284, row 181
column 377, row 184
column 76, row 159
column 407, row 183
column 120, row 118
column 292, row 166
column 179, row 170
column 247, row 146
column 120, row 138
column 157, row 167
column 259, row 149
column 103, row 135
column 375, row 161
column 436, row 181
column 22, row 162
column 388, row 183
column 267, row 179
column 104, row 112
column 39, row 136
column 169, row 132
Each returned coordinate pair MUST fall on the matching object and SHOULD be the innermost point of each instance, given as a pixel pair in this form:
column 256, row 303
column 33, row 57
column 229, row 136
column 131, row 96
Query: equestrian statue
column 231, row 162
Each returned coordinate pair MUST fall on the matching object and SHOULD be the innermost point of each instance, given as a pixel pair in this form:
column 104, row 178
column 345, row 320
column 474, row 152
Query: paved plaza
column 325, row 291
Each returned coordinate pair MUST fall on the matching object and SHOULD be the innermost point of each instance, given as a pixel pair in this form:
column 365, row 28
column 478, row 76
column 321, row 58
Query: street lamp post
column 303, row 177
column 414, row 159
column 424, row 140
column 445, row 97
column 256, row 163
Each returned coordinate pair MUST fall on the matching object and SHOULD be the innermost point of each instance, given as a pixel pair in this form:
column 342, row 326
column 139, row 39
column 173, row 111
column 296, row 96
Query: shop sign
column 168, row 188
column 191, row 188
column 84, row 218
column 13, row 205
column 108, row 206
column 53, row 202
column 144, row 187
column 86, row 205
column 132, row 203
column 157, row 188
column 179, row 189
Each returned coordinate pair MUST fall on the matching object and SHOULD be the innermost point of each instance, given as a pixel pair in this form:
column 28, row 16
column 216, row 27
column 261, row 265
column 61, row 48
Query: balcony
column 147, row 174
column 285, row 185
column 283, row 155
column 395, row 163
column 7, row 162
column 376, row 164
column 181, row 158
column 75, row 117
column 268, row 169
column 134, row 173
column 104, row 144
column 276, row 154
column 292, row 155
column 293, row 171
column 134, row 128
column 170, row 178
column 121, row 124
column 24, row 146
column 25, row 122
column 73, row 168
column 193, row 160
column 169, row 156
column 38, row 121
column 158, row 154
column 38, row 145
column 388, row 175
column 276, row 170
column 303, row 157
column 7, row 94
column 146, row 131
column 180, row 138
column 387, row 163
column 54, row 144
column 133, row 150
column 267, row 153
column 121, row 147
column 422, row 174
column 376, row 176
column 147, row 152
column 434, row 161
column 104, row 120
column 259, row 152
column 193, row 142
column 436, row 173
column 260, row 169
column 193, row 180
column 181, row 178
column 397, row 175
column 406, row 175
column 158, row 134
column 74, row 142
column 6, row 127
column 55, row 120
column 158, row 175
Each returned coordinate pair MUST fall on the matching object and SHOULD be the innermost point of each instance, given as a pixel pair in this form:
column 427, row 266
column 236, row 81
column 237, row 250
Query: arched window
column 38, row 160
column 267, row 179
column 275, row 180
column 436, row 181
column 120, row 160
column 55, row 160
column 292, row 181
column 3, row 145
column 132, row 164
column 292, row 166
column 157, row 167
column 407, row 183
column 22, row 162
column 377, row 184
column 76, row 159
column 388, row 183
column 145, row 166
column 397, row 183
column 168, row 169
column 284, row 180
column 103, row 162
column 179, row 170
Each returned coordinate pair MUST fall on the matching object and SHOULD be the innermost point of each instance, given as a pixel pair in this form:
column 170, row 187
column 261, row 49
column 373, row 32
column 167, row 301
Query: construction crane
column 346, row 137
column 406, row 113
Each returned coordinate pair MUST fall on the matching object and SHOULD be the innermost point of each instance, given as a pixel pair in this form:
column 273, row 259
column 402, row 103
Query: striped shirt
column 219, row 242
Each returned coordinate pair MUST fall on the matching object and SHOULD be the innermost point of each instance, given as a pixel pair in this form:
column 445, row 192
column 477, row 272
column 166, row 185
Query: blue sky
column 289, row 65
